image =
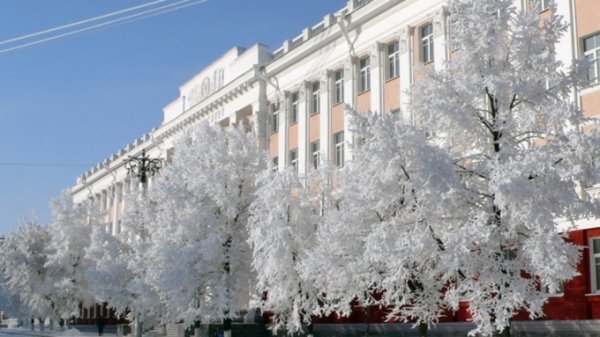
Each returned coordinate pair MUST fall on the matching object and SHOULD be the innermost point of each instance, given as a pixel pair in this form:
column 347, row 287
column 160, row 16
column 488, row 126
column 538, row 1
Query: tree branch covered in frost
column 282, row 229
column 199, row 261
column 68, row 262
column 504, row 101
column 24, row 256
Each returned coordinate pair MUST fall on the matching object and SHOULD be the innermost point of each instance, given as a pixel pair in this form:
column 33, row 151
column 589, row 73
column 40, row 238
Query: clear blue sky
column 75, row 101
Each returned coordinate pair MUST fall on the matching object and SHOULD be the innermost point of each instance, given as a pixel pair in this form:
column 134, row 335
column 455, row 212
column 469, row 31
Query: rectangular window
column 294, row 159
column 338, row 141
column 339, row 86
column 295, row 107
column 315, row 98
column 595, row 261
column 544, row 4
column 393, row 65
column 427, row 43
column 365, row 74
column 274, row 117
column 315, row 148
column 275, row 163
column 591, row 51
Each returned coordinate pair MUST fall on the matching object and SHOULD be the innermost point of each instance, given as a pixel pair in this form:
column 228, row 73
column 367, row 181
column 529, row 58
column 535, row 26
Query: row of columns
column 378, row 63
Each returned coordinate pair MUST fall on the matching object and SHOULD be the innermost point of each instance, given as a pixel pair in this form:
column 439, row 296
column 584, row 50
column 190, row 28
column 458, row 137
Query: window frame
column 293, row 160
column 338, row 78
column 364, row 70
column 274, row 118
column 338, row 148
column 544, row 4
column 315, row 98
column 393, row 60
column 427, row 43
column 594, row 265
column 315, row 150
column 294, row 107
column 593, row 55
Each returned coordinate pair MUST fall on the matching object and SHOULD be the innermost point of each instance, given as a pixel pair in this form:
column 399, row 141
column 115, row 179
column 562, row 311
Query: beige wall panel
column 421, row 70
column 337, row 118
column 314, row 124
column 391, row 95
column 588, row 16
column 363, row 102
column 274, row 145
column 590, row 104
column 293, row 136
column 546, row 15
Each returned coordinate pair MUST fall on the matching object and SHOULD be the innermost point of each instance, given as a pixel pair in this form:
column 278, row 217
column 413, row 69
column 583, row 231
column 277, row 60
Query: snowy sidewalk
column 78, row 331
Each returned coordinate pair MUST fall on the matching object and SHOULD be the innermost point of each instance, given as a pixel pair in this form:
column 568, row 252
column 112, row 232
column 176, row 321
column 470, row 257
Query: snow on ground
column 83, row 331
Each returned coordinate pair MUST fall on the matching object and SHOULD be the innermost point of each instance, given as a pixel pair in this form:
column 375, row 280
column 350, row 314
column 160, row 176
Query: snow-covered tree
column 501, row 110
column 67, row 263
column 109, row 275
column 135, row 243
column 200, row 262
column 24, row 257
column 282, row 229
column 381, row 245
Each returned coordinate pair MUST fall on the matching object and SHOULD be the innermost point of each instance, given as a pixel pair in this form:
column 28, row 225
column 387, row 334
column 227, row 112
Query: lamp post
column 142, row 166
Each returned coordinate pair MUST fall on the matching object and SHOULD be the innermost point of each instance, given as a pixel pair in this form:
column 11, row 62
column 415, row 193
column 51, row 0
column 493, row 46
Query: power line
column 77, row 23
column 126, row 19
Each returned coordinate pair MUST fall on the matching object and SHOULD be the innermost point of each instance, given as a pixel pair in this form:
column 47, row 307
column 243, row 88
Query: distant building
column 366, row 56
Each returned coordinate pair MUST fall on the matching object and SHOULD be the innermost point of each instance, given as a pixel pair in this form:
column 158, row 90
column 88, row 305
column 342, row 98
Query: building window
column 591, row 51
column 393, row 54
column 544, row 4
column 294, row 159
column 338, row 141
column 427, row 43
column 365, row 74
column 274, row 117
column 315, row 148
column 295, row 108
column 339, row 86
column 275, row 161
column 595, row 264
column 315, row 98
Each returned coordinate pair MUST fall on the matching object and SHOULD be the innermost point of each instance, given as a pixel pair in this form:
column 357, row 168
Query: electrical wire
column 77, row 23
column 126, row 19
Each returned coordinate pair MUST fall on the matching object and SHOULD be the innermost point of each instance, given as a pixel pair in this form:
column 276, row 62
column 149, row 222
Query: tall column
column 349, row 104
column 260, row 115
column 377, row 75
column 302, row 129
column 406, row 72
column 325, row 118
column 283, row 129
column 440, row 39
column 114, row 207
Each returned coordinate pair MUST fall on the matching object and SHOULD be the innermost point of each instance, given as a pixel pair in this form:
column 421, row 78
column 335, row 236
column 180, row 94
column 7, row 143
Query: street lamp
column 142, row 166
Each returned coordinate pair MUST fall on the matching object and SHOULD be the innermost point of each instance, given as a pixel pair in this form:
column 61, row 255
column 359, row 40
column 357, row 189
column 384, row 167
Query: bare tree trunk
column 423, row 330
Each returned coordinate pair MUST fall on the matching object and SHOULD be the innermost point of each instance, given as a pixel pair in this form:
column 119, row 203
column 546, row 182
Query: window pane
column 597, row 265
column 596, row 246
